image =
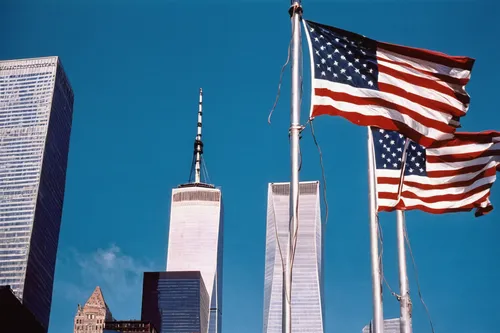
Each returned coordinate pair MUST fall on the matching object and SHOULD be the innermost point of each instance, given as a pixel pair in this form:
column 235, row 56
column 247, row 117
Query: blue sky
column 136, row 67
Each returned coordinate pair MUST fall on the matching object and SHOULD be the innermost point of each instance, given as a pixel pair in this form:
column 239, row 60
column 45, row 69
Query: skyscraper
column 91, row 318
column 36, row 111
column 175, row 302
column 196, row 232
column 307, row 283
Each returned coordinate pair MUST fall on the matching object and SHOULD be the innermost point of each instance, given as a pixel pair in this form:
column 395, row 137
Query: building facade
column 390, row 326
column 175, row 302
column 129, row 326
column 195, row 240
column 307, row 284
column 93, row 315
column 36, row 111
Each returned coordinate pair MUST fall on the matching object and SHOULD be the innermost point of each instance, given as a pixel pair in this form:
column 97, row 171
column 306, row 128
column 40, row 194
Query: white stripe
column 361, row 92
column 424, row 193
column 448, row 166
column 375, row 110
column 425, row 75
column 424, row 65
column 422, row 91
column 387, row 188
column 448, row 179
column 387, row 173
column 446, row 204
column 463, row 149
column 386, row 202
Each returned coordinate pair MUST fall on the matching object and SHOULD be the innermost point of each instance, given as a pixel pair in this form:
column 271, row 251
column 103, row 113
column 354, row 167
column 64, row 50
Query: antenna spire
column 198, row 144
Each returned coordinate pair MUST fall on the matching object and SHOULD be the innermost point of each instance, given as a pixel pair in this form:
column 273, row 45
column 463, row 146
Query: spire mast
column 198, row 144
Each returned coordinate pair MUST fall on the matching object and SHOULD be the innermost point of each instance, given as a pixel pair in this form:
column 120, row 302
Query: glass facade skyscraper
column 36, row 110
column 175, row 302
column 307, row 283
column 196, row 239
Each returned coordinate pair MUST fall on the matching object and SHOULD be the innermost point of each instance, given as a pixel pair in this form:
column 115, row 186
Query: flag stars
column 322, row 48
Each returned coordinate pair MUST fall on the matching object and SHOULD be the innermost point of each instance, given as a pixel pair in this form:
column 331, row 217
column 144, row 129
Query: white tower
column 307, row 284
column 196, row 231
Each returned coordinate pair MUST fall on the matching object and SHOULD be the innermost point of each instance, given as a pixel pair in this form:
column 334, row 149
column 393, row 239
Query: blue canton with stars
column 343, row 57
column 389, row 147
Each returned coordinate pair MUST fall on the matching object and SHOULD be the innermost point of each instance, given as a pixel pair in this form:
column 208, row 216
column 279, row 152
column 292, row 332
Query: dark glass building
column 36, row 111
column 129, row 326
column 175, row 302
column 14, row 317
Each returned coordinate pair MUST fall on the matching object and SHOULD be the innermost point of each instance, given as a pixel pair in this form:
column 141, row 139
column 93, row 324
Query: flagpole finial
column 296, row 7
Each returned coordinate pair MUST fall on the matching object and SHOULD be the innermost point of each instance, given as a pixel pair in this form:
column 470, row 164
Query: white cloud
column 118, row 274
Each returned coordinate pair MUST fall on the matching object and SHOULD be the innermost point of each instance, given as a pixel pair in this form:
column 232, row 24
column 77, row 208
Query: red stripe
column 466, row 208
column 425, row 83
column 446, row 197
column 468, row 138
column 441, row 76
column 377, row 121
column 388, row 180
column 427, row 55
column 464, row 157
column 427, row 102
column 344, row 97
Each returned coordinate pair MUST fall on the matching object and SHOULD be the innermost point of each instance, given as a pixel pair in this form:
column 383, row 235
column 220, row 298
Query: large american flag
column 417, row 92
column 454, row 176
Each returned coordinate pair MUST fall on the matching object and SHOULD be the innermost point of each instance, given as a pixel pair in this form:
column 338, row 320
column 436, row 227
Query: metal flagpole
column 404, row 290
column 378, row 313
column 294, row 132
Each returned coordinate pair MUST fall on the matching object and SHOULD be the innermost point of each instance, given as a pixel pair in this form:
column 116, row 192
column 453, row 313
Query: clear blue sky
column 136, row 66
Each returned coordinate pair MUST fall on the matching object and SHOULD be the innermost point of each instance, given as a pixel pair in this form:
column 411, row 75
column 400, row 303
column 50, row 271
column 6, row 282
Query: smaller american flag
column 418, row 92
column 453, row 176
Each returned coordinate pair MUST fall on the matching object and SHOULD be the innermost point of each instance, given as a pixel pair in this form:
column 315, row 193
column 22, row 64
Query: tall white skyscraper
column 195, row 238
column 36, row 110
column 307, row 284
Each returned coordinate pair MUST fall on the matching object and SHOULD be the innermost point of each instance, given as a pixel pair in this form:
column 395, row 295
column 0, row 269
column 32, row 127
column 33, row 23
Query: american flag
column 417, row 92
column 454, row 176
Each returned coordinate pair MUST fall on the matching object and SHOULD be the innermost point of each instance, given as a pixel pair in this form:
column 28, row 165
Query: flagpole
column 294, row 132
column 404, row 290
column 378, row 314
